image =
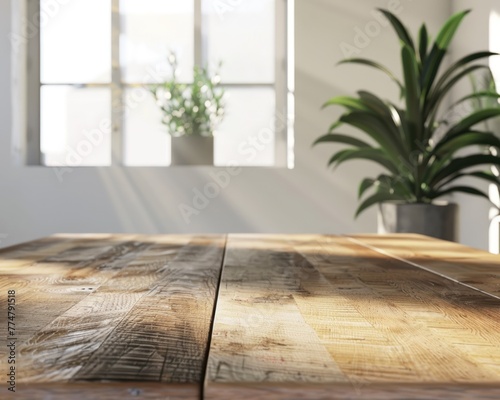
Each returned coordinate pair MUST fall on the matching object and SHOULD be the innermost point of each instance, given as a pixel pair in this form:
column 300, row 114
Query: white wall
column 310, row 198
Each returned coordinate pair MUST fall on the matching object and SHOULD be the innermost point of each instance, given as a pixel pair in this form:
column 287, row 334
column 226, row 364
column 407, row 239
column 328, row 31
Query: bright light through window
column 495, row 44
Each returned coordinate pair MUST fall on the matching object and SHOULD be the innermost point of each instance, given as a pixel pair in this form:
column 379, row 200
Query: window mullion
column 33, row 136
column 281, row 78
column 199, row 56
column 117, row 106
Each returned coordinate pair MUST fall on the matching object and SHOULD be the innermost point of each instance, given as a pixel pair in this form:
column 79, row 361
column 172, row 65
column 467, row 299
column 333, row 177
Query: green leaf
column 350, row 103
column 446, row 34
column 388, row 115
column 375, row 155
column 410, row 69
column 430, row 70
column 423, row 43
column 376, row 129
column 406, row 134
column 400, row 29
column 475, row 118
column 459, row 164
column 338, row 155
column 477, row 96
column 439, row 49
column 374, row 103
column 487, row 176
column 473, row 138
column 334, row 126
column 393, row 184
column 376, row 199
column 375, row 65
column 366, row 184
column 439, row 94
column 343, row 139
column 459, row 189
column 457, row 66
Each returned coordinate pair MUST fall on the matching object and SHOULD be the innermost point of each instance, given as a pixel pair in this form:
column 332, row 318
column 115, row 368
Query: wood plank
column 56, row 352
column 344, row 321
column 165, row 336
column 64, row 274
column 84, row 329
column 13, row 258
column 259, row 333
column 426, row 311
column 471, row 267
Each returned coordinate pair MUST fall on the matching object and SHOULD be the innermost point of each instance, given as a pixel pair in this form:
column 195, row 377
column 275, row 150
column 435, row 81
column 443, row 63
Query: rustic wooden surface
column 319, row 317
column 108, row 316
column 298, row 317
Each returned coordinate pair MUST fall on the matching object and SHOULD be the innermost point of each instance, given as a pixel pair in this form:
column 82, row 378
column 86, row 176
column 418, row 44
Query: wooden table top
column 250, row 317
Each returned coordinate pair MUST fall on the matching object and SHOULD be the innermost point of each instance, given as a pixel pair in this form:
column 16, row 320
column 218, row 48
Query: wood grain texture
column 471, row 267
column 59, row 278
column 119, row 315
column 324, row 317
column 167, row 331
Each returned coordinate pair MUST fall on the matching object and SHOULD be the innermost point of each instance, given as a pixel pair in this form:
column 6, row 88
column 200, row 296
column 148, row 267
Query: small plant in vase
column 191, row 113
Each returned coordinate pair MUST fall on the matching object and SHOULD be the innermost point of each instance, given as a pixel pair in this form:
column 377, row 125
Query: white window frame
column 283, row 86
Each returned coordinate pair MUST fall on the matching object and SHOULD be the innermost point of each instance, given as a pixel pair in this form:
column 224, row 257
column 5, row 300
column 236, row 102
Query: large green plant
column 416, row 144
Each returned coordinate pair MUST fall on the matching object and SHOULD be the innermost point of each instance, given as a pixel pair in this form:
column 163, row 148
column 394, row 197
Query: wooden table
column 250, row 317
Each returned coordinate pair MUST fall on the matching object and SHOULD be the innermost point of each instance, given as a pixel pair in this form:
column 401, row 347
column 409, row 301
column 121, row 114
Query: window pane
column 76, row 41
column 151, row 29
column 147, row 142
column 75, row 126
column 246, row 136
column 242, row 36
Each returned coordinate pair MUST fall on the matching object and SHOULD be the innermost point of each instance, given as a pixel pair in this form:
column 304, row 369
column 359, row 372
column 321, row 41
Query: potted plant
column 416, row 145
column 191, row 113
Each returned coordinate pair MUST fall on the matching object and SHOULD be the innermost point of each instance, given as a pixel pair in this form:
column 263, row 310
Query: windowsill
column 215, row 167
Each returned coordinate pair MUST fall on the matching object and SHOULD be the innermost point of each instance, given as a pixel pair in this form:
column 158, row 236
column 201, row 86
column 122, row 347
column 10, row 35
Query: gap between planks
column 394, row 256
column 212, row 322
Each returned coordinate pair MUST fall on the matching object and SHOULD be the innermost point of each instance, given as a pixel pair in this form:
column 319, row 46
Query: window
column 87, row 100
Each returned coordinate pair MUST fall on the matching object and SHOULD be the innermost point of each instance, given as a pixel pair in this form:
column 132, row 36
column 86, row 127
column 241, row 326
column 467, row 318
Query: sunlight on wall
column 495, row 44
column 494, row 234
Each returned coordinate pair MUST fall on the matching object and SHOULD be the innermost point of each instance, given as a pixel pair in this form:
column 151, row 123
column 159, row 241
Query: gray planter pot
column 192, row 150
column 435, row 220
